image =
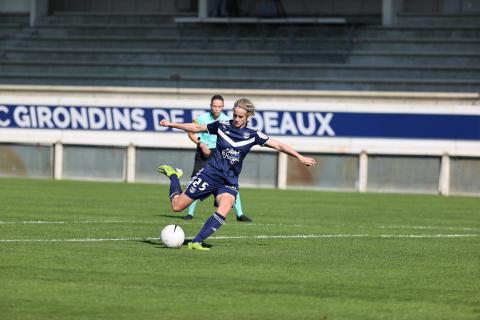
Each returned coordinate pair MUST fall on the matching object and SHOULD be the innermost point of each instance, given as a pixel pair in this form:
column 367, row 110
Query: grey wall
column 441, row 6
column 332, row 172
column 403, row 173
column 94, row 163
column 33, row 161
column 386, row 173
column 15, row 6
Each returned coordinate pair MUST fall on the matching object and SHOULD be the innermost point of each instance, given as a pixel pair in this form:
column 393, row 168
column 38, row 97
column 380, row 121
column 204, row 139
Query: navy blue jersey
column 233, row 144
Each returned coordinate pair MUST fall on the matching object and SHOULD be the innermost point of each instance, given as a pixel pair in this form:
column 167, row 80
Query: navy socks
column 212, row 224
column 175, row 187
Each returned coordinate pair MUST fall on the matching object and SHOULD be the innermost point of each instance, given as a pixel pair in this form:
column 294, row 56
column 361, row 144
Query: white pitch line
column 262, row 237
column 307, row 236
column 34, row 222
column 427, row 228
column 75, row 240
column 66, row 222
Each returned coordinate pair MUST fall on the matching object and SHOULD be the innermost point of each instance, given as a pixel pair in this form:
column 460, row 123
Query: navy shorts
column 203, row 185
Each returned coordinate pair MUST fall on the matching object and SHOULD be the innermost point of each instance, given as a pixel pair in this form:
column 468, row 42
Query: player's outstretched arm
column 285, row 148
column 193, row 137
column 189, row 127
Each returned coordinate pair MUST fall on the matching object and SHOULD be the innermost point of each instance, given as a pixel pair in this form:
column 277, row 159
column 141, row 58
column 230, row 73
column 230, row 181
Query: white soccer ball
column 172, row 236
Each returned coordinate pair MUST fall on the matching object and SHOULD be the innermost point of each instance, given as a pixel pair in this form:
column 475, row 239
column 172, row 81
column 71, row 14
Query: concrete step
column 18, row 18
column 105, row 29
column 10, row 28
column 169, row 42
column 243, row 56
column 295, row 83
column 114, row 18
column 452, row 32
column 308, row 43
column 172, row 29
column 243, row 70
column 438, row 19
column 418, row 45
column 136, row 24
column 410, row 58
column 258, row 42
column 170, row 55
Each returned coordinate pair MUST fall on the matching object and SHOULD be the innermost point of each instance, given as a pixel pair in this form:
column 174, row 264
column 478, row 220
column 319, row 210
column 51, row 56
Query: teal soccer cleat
column 169, row 171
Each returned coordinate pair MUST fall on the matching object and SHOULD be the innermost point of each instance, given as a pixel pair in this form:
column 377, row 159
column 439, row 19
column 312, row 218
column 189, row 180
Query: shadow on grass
column 171, row 216
column 159, row 244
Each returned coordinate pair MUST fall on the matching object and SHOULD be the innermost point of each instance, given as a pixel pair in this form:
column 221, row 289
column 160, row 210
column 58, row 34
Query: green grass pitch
column 308, row 255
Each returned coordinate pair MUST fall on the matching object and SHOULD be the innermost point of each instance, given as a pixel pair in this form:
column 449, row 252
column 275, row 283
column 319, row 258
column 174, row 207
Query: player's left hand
column 205, row 150
column 307, row 161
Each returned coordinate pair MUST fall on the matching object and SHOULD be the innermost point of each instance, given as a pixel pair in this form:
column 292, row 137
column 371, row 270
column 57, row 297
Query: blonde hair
column 245, row 104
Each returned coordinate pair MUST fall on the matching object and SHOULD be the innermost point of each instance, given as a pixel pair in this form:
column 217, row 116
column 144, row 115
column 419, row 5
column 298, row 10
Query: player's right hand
column 165, row 123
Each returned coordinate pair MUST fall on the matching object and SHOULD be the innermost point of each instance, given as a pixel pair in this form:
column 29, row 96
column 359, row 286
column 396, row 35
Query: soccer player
column 206, row 144
column 220, row 176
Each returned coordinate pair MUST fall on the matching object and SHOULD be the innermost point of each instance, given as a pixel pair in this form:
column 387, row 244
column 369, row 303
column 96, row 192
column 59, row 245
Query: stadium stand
column 12, row 23
column 424, row 52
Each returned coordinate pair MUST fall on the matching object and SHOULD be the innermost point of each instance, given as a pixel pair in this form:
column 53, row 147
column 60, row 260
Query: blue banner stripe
column 282, row 123
column 425, row 126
